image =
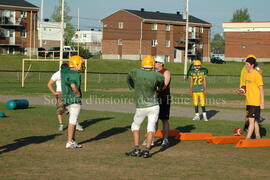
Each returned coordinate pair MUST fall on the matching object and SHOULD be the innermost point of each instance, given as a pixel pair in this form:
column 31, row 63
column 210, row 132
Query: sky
column 213, row 11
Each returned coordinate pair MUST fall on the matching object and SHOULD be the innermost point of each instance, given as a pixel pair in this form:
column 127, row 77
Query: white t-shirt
column 57, row 78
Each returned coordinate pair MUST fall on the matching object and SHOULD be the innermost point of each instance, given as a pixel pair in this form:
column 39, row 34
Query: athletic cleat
column 260, row 120
column 134, row 152
column 79, row 127
column 146, row 154
column 205, row 118
column 165, row 143
column 196, row 117
column 145, row 141
column 73, row 145
column 61, row 127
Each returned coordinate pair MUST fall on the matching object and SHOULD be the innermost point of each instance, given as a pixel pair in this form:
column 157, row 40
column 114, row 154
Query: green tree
column 56, row 16
column 241, row 15
column 217, row 43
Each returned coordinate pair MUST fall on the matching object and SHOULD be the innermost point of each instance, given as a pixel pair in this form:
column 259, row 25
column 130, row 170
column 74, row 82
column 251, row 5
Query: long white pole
column 62, row 34
column 78, row 32
column 41, row 23
column 186, row 43
column 31, row 24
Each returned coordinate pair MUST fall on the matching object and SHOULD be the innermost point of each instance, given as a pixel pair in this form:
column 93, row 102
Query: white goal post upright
column 53, row 60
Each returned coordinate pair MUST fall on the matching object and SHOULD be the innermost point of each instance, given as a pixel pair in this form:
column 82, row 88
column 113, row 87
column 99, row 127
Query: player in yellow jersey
column 254, row 96
column 198, row 88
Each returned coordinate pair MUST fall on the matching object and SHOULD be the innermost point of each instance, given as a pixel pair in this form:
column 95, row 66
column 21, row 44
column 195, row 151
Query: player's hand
column 78, row 94
column 57, row 94
column 262, row 106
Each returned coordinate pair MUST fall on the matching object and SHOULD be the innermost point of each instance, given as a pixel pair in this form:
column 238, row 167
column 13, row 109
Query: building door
column 178, row 54
column 12, row 36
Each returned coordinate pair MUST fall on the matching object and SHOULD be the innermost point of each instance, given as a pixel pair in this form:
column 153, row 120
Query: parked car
column 55, row 52
column 217, row 60
column 41, row 51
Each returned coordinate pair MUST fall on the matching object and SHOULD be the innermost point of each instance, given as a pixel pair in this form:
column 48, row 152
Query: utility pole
column 78, row 30
column 62, row 34
column 41, row 23
column 186, row 14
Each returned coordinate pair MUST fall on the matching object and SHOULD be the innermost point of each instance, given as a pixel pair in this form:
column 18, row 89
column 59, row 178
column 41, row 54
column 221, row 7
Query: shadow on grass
column 90, row 122
column 173, row 141
column 26, row 141
column 107, row 133
column 211, row 113
column 187, row 128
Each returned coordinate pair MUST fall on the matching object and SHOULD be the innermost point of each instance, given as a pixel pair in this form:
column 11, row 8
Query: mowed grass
column 32, row 148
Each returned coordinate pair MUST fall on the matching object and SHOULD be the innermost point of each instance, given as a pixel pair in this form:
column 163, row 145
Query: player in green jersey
column 198, row 88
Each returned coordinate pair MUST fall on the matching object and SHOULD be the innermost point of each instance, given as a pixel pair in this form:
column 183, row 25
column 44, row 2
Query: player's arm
column 50, row 86
column 75, row 90
column 190, row 84
column 262, row 96
column 167, row 78
column 130, row 81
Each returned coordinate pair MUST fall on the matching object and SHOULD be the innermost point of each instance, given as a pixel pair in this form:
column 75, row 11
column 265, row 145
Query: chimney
column 142, row 9
column 178, row 13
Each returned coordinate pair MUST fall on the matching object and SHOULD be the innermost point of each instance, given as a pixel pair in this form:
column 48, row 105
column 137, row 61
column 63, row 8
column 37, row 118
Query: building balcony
column 6, row 21
column 9, row 42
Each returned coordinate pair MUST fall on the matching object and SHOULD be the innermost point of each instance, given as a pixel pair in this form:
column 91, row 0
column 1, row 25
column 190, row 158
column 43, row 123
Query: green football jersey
column 69, row 77
column 198, row 79
column 145, row 83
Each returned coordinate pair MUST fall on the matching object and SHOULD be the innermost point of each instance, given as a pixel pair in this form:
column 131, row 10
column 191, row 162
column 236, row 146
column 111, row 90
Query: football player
column 198, row 88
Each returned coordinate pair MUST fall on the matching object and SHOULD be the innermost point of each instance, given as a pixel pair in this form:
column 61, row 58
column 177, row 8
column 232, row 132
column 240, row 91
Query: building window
column 5, row 33
column 167, row 58
column 167, row 43
column 168, row 27
column 120, row 25
column 201, row 29
column 23, row 33
column 120, row 42
column 154, row 43
column 191, row 29
column 201, row 45
column 154, row 26
column 23, row 14
column 84, row 35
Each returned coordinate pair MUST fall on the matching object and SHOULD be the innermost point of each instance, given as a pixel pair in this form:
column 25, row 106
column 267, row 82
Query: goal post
column 52, row 60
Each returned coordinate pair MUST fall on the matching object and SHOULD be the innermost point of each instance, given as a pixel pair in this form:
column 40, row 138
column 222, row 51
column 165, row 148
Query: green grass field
column 32, row 148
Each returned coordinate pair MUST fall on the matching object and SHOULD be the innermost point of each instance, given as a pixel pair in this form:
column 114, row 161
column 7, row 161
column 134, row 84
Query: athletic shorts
column 198, row 97
column 253, row 111
column 60, row 108
column 165, row 105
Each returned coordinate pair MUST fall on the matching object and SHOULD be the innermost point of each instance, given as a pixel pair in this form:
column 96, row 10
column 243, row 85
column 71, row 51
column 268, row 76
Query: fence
column 98, row 80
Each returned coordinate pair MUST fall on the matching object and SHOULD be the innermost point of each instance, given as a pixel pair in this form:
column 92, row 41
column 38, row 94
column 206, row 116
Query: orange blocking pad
column 193, row 136
column 253, row 143
column 225, row 139
column 172, row 133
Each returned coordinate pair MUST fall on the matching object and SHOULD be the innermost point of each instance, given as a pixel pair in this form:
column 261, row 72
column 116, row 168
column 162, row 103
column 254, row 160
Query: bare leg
column 257, row 130
column 250, row 127
column 71, row 132
column 150, row 136
column 166, row 128
column 136, row 137
column 60, row 119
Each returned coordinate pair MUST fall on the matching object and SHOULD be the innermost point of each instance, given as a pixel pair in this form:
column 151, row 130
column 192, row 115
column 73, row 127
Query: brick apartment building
column 15, row 26
column 243, row 38
column 132, row 34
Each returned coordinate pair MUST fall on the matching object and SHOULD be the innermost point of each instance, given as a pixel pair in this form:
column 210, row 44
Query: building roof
column 17, row 3
column 165, row 16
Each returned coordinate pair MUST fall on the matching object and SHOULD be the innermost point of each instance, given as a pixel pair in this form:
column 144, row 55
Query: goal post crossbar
column 52, row 60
